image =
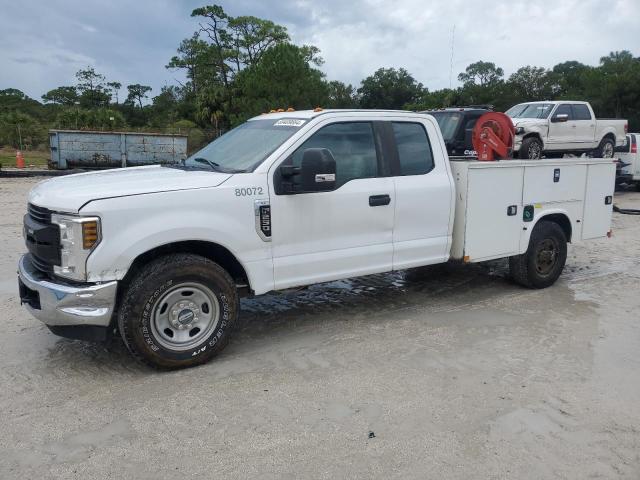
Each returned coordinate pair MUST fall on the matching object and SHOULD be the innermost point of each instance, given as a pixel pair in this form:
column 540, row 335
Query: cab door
column 345, row 232
column 424, row 194
column 561, row 133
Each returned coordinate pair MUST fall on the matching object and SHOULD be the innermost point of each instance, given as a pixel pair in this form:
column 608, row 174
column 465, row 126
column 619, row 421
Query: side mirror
column 560, row 118
column 317, row 170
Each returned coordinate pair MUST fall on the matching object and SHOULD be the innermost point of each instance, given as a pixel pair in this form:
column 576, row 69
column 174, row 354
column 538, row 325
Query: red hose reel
column 493, row 137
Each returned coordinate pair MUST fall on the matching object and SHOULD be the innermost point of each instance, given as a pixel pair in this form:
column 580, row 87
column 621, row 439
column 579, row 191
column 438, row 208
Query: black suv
column 456, row 124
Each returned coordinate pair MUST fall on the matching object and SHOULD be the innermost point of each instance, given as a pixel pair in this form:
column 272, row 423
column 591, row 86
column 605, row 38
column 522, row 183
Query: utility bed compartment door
column 598, row 204
column 492, row 226
column 553, row 183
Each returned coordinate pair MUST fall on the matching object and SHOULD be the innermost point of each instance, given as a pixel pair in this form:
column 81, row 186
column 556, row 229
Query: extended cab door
column 341, row 233
column 424, row 194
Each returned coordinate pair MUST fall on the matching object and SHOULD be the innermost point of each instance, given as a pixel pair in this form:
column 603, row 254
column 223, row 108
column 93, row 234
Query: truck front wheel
column 531, row 148
column 543, row 262
column 178, row 311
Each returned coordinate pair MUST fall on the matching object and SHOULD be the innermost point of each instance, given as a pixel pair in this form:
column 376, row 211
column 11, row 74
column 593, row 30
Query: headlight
column 78, row 237
column 519, row 130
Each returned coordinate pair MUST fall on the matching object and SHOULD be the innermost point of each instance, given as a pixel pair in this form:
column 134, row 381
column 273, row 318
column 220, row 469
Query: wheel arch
column 533, row 134
column 213, row 251
column 560, row 218
column 610, row 135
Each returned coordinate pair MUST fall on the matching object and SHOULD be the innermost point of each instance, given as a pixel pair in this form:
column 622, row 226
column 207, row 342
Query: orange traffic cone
column 19, row 159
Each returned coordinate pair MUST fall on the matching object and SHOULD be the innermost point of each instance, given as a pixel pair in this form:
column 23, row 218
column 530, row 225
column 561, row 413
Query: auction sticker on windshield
column 289, row 122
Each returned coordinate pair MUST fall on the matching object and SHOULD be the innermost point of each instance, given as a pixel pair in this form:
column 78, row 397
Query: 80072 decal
column 248, row 191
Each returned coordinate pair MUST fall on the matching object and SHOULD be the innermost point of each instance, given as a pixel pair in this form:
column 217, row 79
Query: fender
column 608, row 132
column 565, row 216
column 132, row 226
column 535, row 130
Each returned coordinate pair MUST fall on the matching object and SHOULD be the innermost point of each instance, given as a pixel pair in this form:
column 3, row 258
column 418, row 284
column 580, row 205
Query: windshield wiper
column 216, row 166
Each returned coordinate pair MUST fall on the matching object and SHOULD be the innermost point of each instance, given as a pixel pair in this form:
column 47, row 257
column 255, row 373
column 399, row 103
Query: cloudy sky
column 43, row 43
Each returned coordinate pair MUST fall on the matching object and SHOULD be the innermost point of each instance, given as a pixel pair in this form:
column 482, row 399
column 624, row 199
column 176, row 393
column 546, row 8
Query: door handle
column 379, row 200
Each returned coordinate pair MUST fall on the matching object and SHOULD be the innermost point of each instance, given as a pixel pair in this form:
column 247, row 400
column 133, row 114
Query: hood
column 70, row 193
column 528, row 122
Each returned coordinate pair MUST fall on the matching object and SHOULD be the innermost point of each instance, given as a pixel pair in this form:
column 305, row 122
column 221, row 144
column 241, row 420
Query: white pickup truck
column 629, row 156
column 163, row 253
column 559, row 127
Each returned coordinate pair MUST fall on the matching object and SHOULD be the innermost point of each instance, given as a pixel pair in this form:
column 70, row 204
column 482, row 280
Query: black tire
column 606, row 149
column 543, row 262
column 168, row 279
column 531, row 149
column 638, row 186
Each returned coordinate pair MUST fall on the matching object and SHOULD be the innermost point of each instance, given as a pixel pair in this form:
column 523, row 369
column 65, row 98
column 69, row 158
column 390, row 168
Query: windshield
column 245, row 147
column 448, row 122
column 530, row 110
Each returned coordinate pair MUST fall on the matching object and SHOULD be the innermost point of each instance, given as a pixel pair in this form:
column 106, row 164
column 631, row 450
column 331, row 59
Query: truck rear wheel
column 531, row 148
column 543, row 262
column 605, row 149
column 178, row 311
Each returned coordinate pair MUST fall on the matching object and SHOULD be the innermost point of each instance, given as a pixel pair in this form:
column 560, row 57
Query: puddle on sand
column 76, row 447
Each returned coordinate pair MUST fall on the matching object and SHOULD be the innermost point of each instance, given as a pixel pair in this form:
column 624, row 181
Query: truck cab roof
column 472, row 108
column 556, row 102
column 309, row 114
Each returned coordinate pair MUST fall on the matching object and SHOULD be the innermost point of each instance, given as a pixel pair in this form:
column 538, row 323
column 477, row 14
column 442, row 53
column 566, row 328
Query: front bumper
column 59, row 304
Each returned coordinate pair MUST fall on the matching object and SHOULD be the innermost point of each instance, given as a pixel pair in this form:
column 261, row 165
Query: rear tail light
column 634, row 148
column 626, row 128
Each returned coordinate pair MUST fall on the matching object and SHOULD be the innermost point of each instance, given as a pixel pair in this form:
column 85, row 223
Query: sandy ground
column 458, row 374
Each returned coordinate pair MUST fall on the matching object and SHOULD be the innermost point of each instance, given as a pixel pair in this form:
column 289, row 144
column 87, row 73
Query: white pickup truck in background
column 564, row 127
column 629, row 155
column 162, row 254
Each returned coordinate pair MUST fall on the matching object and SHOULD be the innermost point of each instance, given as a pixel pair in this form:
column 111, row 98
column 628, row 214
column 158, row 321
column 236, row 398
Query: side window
column 564, row 109
column 414, row 150
column 581, row 112
column 471, row 123
column 352, row 145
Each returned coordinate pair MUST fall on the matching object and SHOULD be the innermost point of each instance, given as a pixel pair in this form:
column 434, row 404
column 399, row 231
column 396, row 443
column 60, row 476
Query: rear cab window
column 415, row 156
column 581, row 112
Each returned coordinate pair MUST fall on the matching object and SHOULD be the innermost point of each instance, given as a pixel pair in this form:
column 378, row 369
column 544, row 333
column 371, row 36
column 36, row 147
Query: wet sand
column 457, row 372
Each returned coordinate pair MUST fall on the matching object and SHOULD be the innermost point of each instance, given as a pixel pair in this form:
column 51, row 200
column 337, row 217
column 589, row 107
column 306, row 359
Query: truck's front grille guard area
column 43, row 216
column 41, row 264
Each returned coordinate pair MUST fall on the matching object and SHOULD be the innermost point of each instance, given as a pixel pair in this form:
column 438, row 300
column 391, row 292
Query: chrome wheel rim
column 185, row 316
column 534, row 151
column 607, row 150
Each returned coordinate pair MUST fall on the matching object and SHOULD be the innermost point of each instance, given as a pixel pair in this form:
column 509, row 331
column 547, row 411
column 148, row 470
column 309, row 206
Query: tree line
column 239, row 67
